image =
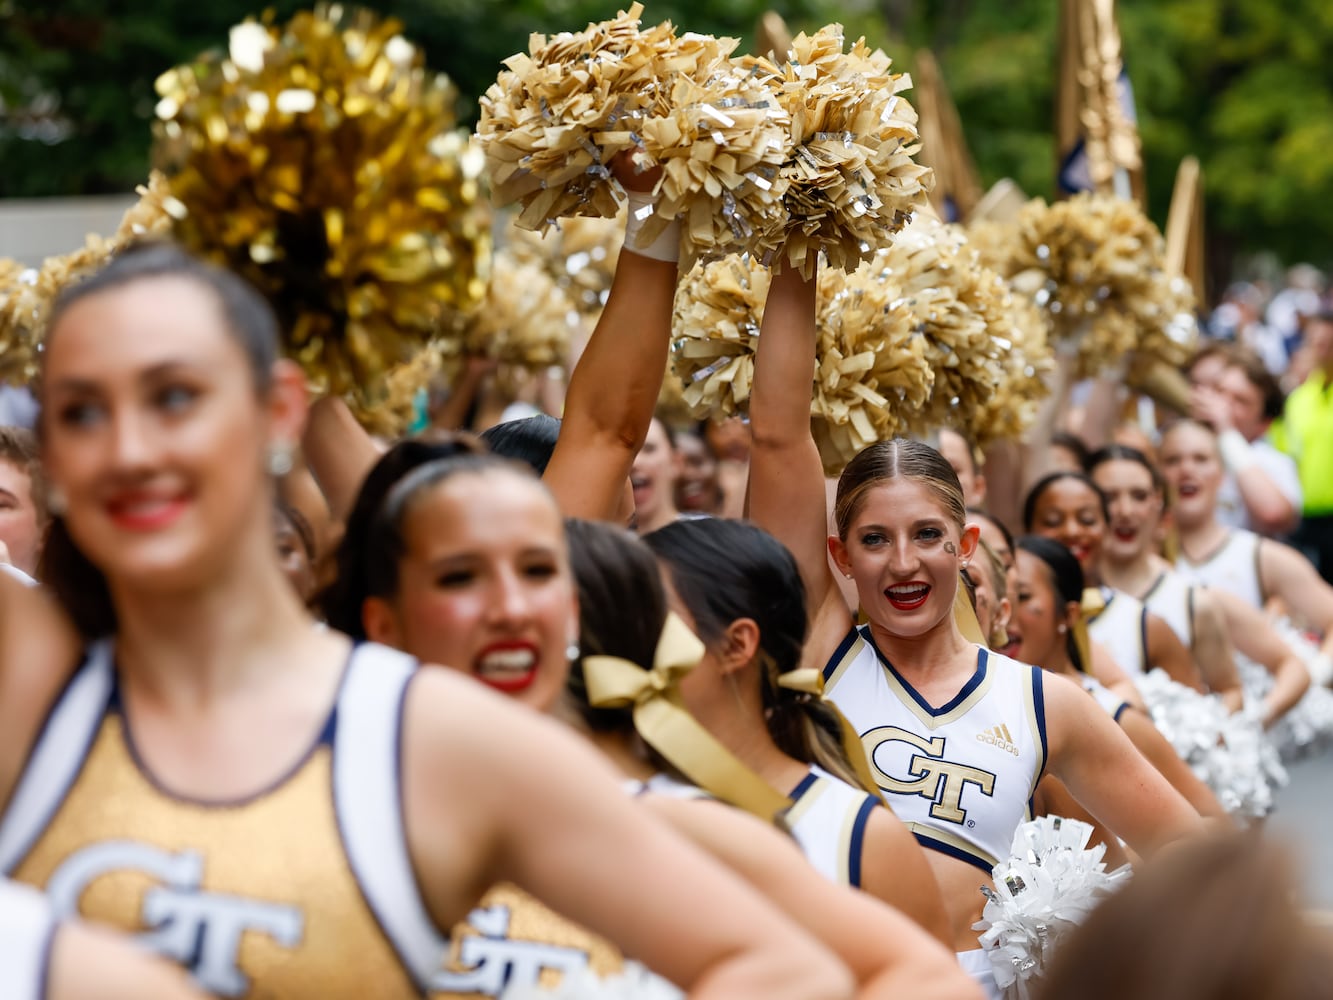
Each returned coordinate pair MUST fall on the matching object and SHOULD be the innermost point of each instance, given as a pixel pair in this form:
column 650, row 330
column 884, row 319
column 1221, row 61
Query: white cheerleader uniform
column 1233, row 567
column 1122, row 627
column 1110, row 702
column 1171, row 598
column 960, row 776
column 828, row 819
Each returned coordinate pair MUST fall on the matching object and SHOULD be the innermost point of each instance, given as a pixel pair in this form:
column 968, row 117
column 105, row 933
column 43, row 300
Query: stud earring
column 280, row 460
column 572, row 651
column 1063, row 629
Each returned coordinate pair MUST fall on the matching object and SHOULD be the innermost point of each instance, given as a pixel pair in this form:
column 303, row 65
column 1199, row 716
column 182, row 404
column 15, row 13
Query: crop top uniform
column 1122, row 627
column 961, row 776
column 828, row 818
column 1233, row 567
column 304, row 890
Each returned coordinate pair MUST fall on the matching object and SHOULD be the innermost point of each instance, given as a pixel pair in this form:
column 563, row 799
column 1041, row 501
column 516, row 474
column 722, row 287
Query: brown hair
column 1249, row 364
column 900, row 458
column 1212, row 920
column 18, row 447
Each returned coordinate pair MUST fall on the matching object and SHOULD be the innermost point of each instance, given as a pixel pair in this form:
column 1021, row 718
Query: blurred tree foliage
column 1246, row 86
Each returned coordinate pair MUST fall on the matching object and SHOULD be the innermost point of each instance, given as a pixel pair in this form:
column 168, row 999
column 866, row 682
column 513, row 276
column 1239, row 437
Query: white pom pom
column 1228, row 752
column 1049, row 885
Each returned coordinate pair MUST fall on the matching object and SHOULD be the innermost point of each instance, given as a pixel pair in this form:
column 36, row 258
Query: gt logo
column 928, row 773
column 200, row 930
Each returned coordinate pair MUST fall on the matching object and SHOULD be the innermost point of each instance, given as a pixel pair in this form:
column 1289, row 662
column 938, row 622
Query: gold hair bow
column 1090, row 607
column 810, row 681
column 965, row 616
column 661, row 718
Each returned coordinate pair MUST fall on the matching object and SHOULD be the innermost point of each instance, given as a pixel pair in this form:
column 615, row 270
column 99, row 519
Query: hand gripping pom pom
column 1048, row 886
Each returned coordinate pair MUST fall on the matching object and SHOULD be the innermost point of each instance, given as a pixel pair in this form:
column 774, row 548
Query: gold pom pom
column 852, row 180
column 556, row 116
column 526, row 319
column 1096, row 266
column 872, row 373
column 718, row 309
column 320, row 160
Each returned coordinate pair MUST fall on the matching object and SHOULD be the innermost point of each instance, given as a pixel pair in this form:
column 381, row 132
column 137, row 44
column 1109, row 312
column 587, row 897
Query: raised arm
column 338, row 452
column 1103, row 770
column 787, row 497
column 889, row 954
column 493, row 792
column 614, row 387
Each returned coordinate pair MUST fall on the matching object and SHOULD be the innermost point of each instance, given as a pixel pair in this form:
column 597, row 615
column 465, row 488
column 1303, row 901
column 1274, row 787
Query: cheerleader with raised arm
column 280, row 811
column 465, row 561
column 956, row 736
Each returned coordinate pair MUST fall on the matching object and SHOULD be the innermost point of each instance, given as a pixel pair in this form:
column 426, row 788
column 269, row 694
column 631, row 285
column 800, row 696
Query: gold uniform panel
column 510, row 939
column 257, row 898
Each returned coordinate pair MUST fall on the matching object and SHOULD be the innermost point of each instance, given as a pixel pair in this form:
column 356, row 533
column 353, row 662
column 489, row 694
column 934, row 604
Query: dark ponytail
column 1066, row 578
column 726, row 570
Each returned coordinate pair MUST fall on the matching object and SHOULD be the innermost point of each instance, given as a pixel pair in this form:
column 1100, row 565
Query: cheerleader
column 1255, row 569
column 1206, row 621
column 956, row 736
column 494, row 543
column 1047, row 620
column 614, row 570
column 749, row 609
column 279, row 811
column 1068, row 507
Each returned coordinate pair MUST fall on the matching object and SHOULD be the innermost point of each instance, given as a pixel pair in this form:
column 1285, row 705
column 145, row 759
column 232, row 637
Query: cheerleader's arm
column 890, row 955
column 1113, row 780
column 1165, row 650
column 495, row 792
column 1213, row 651
column 1256, row 638
column 787, row 492
column 1285, row 573
column 614, row 387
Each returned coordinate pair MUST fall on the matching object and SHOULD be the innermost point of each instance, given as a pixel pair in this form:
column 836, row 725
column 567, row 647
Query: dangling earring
column 56, row 502
column 279, row 461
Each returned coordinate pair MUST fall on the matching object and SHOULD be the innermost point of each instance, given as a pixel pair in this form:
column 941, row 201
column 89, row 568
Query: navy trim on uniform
column 858, row 836
column 972, row 684
column 1124, row 705
column 324, row 738
column 951, row 851
column 841, row 651
column 59, row 801
column 1039, row 710
column 1143, row 638
column 803, row 786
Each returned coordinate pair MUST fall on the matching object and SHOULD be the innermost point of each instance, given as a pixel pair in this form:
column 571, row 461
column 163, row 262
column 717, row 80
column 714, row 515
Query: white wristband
column 667, row 245
column 1236, row 452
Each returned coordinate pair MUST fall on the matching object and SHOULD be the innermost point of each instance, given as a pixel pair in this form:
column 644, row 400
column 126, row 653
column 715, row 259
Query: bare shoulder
column 39, row 653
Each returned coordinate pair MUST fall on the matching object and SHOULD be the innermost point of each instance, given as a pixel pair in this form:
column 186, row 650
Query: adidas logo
column 999, row 736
